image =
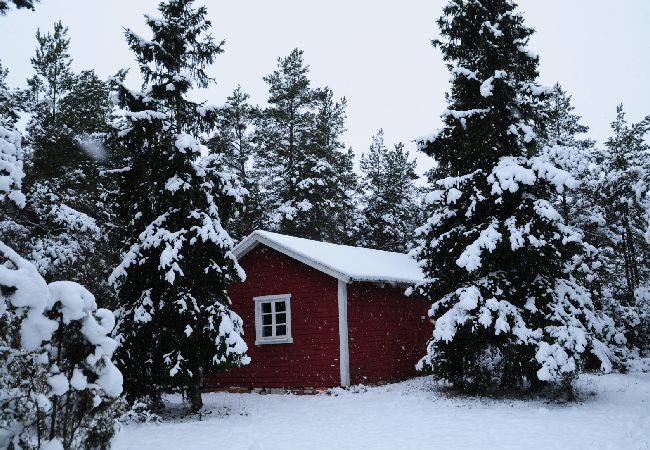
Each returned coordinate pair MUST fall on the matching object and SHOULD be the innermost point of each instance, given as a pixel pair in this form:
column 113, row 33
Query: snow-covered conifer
column 621, row 218
column 390, row 197
column 234, row 140
column 5, row 5
column 58, row 230
column 51, row 82
column 562, row 125
column 175, row 322
column 497, row 255
column 562, row 141
column 305, row 169
column 12, row 174
column 328, row 181
column 11, row 162
column 8, row 100
column 57, row 379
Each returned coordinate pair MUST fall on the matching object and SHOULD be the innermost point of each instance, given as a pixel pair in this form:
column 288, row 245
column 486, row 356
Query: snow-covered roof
column 343, row 262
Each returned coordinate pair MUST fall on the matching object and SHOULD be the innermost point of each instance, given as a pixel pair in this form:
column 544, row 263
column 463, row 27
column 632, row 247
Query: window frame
column 264, row 340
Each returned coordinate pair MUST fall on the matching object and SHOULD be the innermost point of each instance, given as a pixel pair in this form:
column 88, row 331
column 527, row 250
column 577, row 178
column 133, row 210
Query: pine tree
column 622, row 219
column 497, row 256
column 327, row 180
column 58, row 385
column 390, row 197
column 562, row 126
column 175, row 324
column 234, row 140
column 52, row 81
column 86, row 111
column 283, row 132
column 624, row 190
column 57, row 380
column 560, row 140
column 69, row 112
column 305, row 171
column 59, row 231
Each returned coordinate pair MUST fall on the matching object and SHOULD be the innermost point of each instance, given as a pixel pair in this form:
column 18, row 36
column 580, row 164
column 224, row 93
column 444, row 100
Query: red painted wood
column 387, row 335
column 312, row 360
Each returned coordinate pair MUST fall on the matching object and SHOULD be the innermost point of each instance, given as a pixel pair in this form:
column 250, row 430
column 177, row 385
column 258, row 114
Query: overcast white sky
column 376, row 53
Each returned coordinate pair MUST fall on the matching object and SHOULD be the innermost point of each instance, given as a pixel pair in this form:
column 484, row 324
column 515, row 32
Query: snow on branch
column 511, row 171
column 11, row 167
column 488, row 239
column 487, row 86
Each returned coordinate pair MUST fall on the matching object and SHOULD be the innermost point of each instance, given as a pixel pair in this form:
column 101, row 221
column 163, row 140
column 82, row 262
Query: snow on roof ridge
column 343, row 262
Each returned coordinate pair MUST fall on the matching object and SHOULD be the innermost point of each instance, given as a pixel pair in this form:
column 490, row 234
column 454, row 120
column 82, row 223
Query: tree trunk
column 196, row 402
column 156, row 402
column 55, row 400
column 570, row 392
column 629, row 255
column 565, row 208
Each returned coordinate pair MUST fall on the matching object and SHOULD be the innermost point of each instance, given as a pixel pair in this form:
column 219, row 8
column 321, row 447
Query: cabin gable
column 312, row 358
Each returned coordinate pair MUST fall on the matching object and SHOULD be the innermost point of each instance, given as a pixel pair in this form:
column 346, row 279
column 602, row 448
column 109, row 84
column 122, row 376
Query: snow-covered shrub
column 139, row 412
column 57, row 380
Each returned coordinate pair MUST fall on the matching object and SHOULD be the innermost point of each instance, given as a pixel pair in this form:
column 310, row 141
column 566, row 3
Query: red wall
column 386, row 334
column 312, row 360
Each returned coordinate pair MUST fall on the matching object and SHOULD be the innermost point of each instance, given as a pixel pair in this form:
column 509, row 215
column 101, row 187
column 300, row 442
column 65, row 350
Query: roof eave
column 254, row 238
column 251, row 241
column 394, row 282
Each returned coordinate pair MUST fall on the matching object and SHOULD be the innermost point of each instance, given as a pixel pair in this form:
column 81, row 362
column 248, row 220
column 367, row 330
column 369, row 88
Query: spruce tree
column 390, row 196
column 305, row 170
column 497, row 256
column 175, row 322
column 234, row 139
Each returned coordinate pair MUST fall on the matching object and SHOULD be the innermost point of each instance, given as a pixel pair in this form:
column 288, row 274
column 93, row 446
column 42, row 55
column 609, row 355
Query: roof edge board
column 245, row 246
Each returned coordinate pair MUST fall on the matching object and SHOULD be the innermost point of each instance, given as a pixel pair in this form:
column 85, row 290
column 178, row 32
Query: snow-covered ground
column 614, row 413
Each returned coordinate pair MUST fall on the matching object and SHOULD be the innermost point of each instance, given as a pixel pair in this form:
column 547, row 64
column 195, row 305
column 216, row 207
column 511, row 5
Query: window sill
column 286, row 340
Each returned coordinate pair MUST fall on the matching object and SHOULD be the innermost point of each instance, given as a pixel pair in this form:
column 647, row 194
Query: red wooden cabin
column 320, row 315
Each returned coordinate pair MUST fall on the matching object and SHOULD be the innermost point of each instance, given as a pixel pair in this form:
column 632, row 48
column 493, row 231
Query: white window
column 273, row 319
